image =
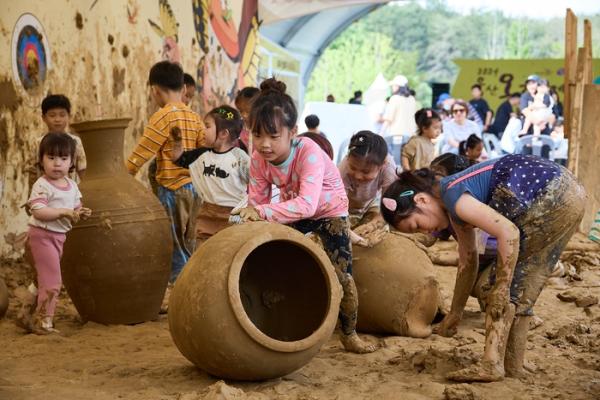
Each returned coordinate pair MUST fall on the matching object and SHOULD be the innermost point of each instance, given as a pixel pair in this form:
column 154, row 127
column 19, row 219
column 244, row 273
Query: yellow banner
column 500, row 78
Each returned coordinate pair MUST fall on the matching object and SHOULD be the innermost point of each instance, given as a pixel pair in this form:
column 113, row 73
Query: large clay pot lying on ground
column 397, row 289
column 255, row 301
column 116, row 264
column 3, row 298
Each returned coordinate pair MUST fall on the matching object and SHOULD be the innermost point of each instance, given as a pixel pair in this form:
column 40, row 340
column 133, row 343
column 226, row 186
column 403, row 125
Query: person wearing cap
column 528, row 97
column 444, row 103
column 398, row 118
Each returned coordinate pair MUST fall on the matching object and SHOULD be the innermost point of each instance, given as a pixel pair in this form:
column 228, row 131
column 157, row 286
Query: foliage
column 420, row 40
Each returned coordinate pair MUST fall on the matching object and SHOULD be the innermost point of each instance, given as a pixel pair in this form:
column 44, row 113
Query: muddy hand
column 248, row 214
column 84, row 213
column 358, row 240
column 448, row 326
column 71, row 215
column 497, row 301
column 376, row 236
column 369, row 228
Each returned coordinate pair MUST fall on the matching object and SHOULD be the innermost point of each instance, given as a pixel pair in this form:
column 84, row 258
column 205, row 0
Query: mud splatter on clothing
column 335, row 236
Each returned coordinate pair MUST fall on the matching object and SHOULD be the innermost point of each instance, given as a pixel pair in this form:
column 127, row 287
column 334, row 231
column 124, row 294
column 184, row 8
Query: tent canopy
column 306, row 28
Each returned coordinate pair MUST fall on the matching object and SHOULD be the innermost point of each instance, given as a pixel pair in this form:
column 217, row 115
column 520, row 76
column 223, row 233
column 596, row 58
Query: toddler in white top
column 55, row 204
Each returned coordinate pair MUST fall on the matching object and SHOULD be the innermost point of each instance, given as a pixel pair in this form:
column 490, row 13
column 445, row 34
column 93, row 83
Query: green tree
column 420, row 40
column 353, row 61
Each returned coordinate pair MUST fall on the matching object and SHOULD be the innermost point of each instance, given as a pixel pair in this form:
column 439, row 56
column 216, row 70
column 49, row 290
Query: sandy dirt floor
column 92, row 361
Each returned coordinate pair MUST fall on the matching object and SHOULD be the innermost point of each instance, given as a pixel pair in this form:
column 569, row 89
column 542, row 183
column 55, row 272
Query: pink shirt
column 309, row 183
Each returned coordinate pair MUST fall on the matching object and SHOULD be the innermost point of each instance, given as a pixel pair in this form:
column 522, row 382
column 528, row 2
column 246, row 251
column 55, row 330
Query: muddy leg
column 517, row 343
column 348, row 314
column 335, row 235
column 491, row 367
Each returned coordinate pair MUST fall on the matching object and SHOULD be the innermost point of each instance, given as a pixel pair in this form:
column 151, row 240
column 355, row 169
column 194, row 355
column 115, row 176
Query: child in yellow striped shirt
column 175, row 190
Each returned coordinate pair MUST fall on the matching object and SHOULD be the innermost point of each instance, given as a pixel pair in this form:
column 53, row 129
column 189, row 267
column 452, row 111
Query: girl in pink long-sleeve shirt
column 312, row 195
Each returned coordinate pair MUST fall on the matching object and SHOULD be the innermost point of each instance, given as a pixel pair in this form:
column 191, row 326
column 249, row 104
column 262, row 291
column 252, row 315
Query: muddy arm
column 465, row 278
column 482, row 216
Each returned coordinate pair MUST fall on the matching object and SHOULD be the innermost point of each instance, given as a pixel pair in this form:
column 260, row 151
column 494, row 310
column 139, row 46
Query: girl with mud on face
column 312, row 196
column 507, row 198
column 366, row 171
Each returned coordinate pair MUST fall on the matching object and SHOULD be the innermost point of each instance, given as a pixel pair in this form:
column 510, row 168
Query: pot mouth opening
column 280, row 292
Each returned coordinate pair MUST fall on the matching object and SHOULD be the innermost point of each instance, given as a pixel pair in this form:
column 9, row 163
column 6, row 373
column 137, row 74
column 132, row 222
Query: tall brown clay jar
column 3, row 298
column 397, row 289
column 255, row 301
column 116, row 264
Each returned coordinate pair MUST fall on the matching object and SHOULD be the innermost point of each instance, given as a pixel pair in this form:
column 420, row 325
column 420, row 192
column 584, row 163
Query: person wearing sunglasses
column 458, row 128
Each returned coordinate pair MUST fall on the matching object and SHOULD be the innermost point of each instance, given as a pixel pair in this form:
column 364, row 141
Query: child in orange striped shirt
column 175, row 190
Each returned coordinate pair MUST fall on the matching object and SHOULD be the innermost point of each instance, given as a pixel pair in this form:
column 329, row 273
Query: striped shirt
column 156, row 141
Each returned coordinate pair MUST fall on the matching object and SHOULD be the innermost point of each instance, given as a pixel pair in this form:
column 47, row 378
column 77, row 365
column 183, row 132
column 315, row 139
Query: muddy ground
column 92, row 361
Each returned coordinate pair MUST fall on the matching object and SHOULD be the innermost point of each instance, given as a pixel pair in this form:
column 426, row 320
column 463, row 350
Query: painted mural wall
column 98, row 53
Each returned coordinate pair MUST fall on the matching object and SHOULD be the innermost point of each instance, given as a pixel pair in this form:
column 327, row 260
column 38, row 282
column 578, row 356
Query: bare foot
column 355, row 344
column 480, row 372
column 535, row 322
column 528, row 366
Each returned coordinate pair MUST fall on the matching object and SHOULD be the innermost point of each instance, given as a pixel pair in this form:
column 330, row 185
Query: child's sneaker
column 45, row 326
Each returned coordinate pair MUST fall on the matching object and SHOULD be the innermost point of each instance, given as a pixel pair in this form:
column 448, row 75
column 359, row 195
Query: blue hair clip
column 407, row 193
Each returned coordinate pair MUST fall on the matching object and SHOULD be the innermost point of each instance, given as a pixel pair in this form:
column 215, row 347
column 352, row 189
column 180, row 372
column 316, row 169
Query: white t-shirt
column 510, row 137
column 46, row 194
column 452, row 130
column 401, row 110
column 219, row 178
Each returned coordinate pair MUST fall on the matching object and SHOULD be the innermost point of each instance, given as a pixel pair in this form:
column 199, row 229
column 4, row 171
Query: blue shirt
column 474, row 180
column 524, row 178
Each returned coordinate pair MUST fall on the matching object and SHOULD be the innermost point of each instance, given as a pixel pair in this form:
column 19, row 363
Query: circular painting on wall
column 30, row 52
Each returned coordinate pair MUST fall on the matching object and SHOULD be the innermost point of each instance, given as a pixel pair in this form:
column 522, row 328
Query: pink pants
column 46, row 247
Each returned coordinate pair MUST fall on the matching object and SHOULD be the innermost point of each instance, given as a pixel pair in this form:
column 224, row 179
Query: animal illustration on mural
column 168, row 30
column 239, row 45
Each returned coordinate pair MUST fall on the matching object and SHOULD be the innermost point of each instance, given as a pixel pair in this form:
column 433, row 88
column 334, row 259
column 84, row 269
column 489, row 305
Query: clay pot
column 116, row 265
column 255, row 301
column 3, row 298
column 397, row 289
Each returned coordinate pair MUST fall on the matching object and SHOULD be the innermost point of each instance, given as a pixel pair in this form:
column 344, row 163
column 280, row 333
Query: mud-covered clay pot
column 116, row 264
column 3, row 298
column 397, row 289
column 255, row 301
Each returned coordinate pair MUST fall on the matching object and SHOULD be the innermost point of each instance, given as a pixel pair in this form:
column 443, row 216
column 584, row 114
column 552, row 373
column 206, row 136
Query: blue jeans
column 181, row 206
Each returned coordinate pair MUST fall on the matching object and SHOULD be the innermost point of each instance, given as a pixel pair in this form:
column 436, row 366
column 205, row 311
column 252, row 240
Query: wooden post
column 570, row 67
column 577, row 109
column 588, row 77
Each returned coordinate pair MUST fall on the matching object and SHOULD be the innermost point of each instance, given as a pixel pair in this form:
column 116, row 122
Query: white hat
column 399, row 80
